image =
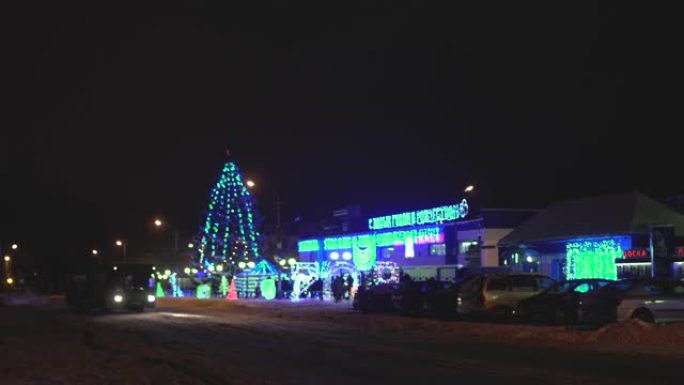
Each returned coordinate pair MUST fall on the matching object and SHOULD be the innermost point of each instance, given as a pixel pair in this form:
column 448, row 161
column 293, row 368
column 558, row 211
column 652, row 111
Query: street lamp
column 94, row 251
column 190, row 245
column 7, row 258
column 158, row 222
column 122, row 244
column 14, row 246
column 469, row 188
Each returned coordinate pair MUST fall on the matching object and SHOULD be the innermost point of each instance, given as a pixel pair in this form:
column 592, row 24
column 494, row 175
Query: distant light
column 242, row 265
column 194, row 271
column 470, row 188
column 119, row 243
column 186, row 270
column 118, row 298
column 7, row 258
column 151, row 298
column 14, row 246
column 250, row 183
column 10, row 281
column 211, row 267
column 115, row 268
column 346, row 255
column 529, row 259
column 154, row 267
column 334, row 255
column 251, row 264
column 158, row 222
column 190, row 245
column 282, row 262
column 219, row 267
column 167, row 272
column 94, row 252
column 291, row 261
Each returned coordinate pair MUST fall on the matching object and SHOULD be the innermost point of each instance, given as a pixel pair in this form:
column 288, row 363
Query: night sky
column 112, row 115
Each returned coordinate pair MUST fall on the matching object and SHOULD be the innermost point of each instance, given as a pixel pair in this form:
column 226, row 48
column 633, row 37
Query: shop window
column 388, row 252
column 468, row 247
column 438, row 249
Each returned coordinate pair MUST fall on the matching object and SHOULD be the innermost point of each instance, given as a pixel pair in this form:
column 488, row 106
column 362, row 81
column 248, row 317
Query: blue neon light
column 421, row 217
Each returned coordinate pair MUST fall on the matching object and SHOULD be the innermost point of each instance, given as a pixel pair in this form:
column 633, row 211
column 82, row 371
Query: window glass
column 524, row 283
column 438, row 249
column 498, row 284
column 544, row 282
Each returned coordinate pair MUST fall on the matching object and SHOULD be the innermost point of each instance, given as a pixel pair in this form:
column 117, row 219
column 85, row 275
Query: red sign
column 636, row 253
column 680, row 251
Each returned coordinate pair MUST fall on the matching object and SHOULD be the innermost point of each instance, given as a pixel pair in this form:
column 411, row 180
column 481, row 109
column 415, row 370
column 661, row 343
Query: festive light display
column 232, row 292
column 364, row 252
column 592, row 258
column 204, row 291
column 229, row 232
column 160, row 291
column 223, row 287
column 268, row 288
column 421, row 217
column 386, row 272
column 175, row 287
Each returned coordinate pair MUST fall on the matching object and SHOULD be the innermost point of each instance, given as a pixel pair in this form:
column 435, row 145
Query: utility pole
column 279, row 241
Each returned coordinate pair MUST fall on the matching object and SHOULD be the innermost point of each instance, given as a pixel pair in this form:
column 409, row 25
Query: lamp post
column 122, row 244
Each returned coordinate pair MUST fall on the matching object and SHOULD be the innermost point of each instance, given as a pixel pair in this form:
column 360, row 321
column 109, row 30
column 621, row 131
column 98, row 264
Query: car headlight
column 118, row 298
column 151, row 298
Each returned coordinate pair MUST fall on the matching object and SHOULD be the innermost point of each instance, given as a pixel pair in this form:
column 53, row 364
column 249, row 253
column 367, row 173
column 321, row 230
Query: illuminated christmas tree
column 223, row 288
column 229, row 234
column 232, row 292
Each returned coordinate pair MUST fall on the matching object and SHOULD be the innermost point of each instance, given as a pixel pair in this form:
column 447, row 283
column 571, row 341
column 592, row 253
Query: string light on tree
column 230, row 230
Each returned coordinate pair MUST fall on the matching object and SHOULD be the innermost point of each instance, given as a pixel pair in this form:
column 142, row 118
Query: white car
column 649, row 300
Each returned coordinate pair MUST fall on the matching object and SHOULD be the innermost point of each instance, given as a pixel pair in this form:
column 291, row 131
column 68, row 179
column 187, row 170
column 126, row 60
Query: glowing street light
column 250, row 183
column 251, row 264
column 242, row 265
column 469, row 188
column 291, row 261
column 158, row 222
column 7, row 258
column 122, row 244
column 94, row 251
column 10, row 281
column 282, row 262
column 191, row 245
column 14, row 246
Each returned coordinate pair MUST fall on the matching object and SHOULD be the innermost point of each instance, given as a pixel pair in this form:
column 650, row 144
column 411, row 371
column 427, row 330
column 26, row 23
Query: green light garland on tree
column 229, row 233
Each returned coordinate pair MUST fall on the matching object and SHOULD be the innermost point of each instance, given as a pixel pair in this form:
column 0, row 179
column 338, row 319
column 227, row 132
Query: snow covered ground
column 188, row 341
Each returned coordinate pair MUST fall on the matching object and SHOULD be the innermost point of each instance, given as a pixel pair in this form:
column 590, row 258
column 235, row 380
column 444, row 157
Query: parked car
column 498, row 294
column 442, row 302
column 375, row 299
column 559, row 303
column 409, row 299
column 650, row 300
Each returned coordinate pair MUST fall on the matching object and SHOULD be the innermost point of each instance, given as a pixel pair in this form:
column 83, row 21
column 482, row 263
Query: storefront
column 428, row 243
column 602, row 237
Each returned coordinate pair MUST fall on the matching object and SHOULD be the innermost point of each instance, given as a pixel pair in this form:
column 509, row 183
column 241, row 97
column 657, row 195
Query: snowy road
column 220, row 342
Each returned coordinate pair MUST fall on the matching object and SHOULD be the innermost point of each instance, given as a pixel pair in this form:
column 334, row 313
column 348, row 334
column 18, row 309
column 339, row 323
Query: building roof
column 619, row 214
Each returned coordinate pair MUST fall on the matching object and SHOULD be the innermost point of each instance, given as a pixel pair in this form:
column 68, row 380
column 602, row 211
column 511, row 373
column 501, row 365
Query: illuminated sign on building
column 421, row 217
column 387, row 238
column 635, row 253
column 308, row 245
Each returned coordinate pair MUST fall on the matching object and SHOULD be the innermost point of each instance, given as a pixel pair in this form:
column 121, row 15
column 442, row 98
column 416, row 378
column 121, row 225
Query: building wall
column 490, row 253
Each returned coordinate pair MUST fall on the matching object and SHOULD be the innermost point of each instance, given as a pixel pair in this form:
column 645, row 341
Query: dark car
column 559, row 303
column 443, row 302
column 647, row 299
column 375, row 299
column 409, row 299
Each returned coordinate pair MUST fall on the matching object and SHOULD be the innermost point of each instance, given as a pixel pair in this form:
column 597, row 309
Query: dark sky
column 112, row 114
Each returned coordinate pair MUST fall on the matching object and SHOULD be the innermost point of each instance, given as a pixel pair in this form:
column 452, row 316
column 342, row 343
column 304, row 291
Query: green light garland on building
column 592, row 259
